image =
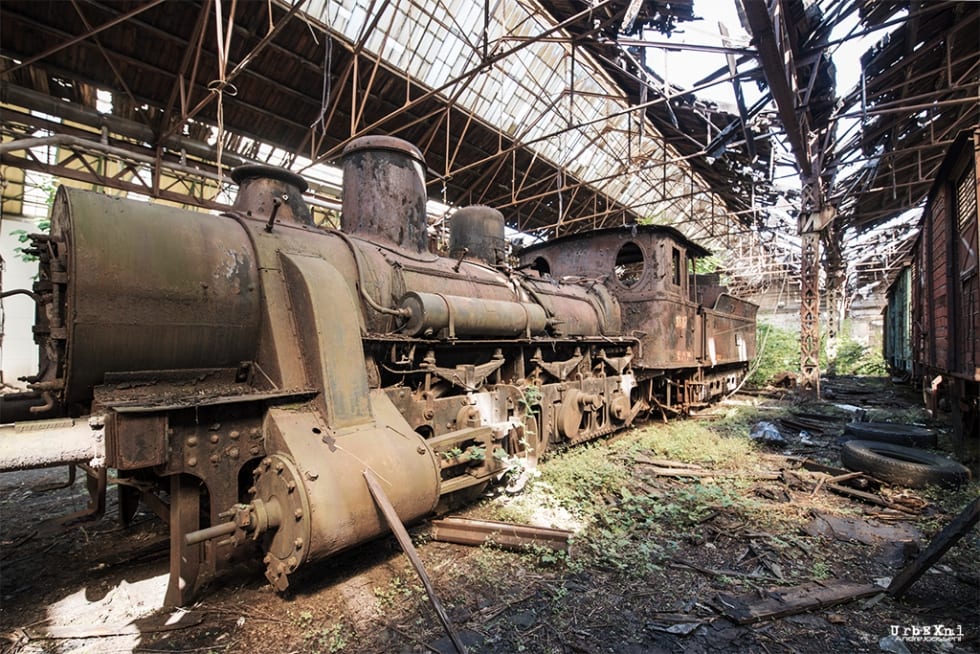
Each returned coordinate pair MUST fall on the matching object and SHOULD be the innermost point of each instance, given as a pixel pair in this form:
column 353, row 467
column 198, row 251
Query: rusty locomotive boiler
column 241, row 372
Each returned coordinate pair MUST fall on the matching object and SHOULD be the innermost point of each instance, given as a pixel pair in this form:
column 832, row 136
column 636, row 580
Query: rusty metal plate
column 136, row 440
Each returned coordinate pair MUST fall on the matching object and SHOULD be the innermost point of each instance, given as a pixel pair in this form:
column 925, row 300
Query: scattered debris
column 682, row 564
column 950, row 534
column 767, row 433
column 862, row 531
column 680, row 629
column 785, row 379
column 893, row 645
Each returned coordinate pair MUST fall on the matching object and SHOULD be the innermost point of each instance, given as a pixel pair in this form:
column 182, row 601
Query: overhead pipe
column 22, row 97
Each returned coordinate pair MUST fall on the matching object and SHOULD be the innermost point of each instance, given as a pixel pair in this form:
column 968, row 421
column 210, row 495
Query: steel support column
column 810, row 314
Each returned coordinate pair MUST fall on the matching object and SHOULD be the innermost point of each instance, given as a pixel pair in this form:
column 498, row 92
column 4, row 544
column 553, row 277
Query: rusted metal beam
column 501, row 203
column 777, row 64
column 810, row 314
column 739, row 96
column 480, row 532
column 105, row 55
column 397, row 528
column 524, row 144
column 89, row 178
column 81, row 37
column 408, row 106
column 190, row 54
column 239, row 67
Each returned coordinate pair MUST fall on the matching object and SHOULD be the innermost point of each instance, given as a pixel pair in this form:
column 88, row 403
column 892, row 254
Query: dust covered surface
column 658, row 562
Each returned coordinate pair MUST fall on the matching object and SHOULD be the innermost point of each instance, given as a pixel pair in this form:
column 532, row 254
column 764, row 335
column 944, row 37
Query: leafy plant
column 777, row 350
column 820, row 569
column 24, row 236
column 329, row 640
column 855, row 358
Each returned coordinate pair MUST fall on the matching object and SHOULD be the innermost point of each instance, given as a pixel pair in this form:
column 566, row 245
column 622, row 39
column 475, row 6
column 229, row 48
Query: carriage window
column 629, row 264
column 675, row 266
column 966, row 210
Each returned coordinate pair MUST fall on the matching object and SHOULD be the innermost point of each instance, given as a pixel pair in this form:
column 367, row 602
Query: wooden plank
column 950, row 534
column 780, row 602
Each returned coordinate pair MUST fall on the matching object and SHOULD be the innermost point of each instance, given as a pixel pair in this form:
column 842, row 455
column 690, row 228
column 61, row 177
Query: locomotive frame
column 241, row 372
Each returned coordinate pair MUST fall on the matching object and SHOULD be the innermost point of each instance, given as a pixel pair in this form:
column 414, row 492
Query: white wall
column 18, row 353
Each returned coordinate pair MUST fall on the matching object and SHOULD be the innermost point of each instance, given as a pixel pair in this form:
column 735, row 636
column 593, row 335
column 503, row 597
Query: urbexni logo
column 921, row 633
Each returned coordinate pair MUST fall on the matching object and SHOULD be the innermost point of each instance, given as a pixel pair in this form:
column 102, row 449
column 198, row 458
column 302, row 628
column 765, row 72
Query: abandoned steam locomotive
column 242, row 372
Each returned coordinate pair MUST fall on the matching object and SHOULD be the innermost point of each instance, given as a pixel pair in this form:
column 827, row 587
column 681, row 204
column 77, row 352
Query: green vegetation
column 600, row 491
column 23, row 236
column 853, row 358
column 396, row 591
column 692, row 442
column 707, row 265
column 778, row 350
column 322, row 640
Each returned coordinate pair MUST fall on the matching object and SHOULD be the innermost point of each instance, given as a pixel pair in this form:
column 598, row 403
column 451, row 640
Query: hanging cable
column 221, row 86
column 326, row 88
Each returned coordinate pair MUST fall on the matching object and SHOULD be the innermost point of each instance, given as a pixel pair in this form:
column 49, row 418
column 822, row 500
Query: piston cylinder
column 384, row 192
column 463, row 316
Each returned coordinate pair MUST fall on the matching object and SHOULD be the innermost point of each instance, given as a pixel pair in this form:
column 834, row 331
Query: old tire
column 904, row 466
column 886, row 432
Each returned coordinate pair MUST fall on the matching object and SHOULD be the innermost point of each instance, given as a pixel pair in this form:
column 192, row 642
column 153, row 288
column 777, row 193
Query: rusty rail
column 478, row 532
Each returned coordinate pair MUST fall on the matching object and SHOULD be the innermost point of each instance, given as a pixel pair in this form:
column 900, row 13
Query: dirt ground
column 660, row 575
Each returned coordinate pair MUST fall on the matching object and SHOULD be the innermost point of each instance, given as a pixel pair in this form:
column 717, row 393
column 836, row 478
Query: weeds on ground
column 778, row 350
column 952, row 500
column 624, row 528
column 395, row 592
column 319, row 639
column 688, row 441
column 583, row 475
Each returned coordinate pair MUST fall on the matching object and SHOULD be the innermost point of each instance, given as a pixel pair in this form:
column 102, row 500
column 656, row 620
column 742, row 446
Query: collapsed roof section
column 918, row 90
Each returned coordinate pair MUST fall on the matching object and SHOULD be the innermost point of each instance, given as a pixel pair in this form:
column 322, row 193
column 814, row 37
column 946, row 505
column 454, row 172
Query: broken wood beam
column 687, row 472
column 871, row 498
column 780, row 602
column 664, row 463
column 479, row 532
column 950, row 534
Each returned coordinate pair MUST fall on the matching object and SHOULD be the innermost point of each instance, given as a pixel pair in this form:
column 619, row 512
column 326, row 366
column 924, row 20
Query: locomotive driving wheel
column 570, row 415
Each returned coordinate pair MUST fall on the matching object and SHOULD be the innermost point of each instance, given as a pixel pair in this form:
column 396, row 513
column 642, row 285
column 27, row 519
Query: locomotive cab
column 694, row 336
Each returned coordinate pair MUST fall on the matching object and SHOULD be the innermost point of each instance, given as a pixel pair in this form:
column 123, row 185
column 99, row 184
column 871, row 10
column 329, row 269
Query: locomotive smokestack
column 384, row 192
column 272, row 194
column 477, row 232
